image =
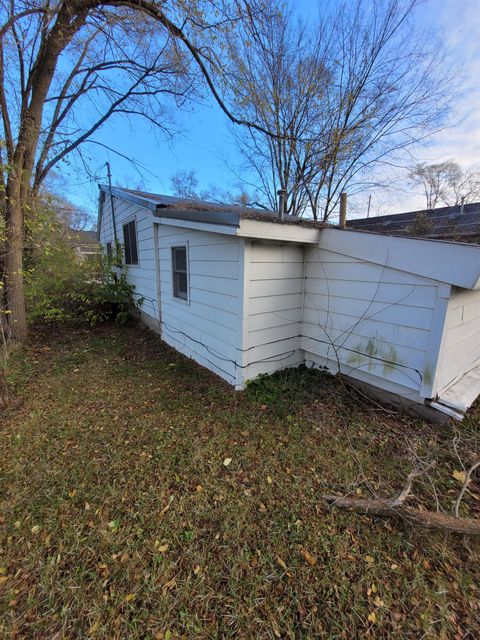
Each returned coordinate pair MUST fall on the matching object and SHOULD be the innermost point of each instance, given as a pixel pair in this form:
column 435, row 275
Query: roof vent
column 282, row 203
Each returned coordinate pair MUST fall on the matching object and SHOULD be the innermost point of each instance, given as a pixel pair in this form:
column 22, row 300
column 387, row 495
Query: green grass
column 120, row 520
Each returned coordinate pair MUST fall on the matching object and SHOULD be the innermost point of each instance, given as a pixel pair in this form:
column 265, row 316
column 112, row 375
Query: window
column 130, row 242
column 180, row 272
column 109, row 250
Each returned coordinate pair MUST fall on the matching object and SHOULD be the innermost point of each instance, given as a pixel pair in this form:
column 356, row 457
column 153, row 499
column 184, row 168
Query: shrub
column 60, row 287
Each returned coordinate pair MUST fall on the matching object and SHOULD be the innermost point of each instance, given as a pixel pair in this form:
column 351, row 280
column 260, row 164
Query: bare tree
column 446, row 183
column 345, row 94
column 66, row 68
column 184, row 184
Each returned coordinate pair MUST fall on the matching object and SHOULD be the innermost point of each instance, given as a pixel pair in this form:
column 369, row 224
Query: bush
column 61, row 287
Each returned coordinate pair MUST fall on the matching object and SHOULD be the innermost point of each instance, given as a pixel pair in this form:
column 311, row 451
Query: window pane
column 180, row 258
column 130, row 243
column 180, row 272
column 126, row 244
column 180, row 285
column 133, row 242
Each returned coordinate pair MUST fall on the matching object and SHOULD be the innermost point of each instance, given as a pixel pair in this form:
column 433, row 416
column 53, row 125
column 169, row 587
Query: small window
column 180, row 272
column 130, row 242
column 109, row 250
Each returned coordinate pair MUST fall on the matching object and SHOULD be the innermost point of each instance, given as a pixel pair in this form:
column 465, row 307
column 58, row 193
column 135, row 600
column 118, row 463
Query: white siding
column 370, row 320
column 207, row 328
column 460, row 350
column 273, row 307
column 143, row 275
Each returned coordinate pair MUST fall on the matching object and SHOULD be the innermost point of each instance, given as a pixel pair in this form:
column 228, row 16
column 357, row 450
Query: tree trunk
column 14, row 263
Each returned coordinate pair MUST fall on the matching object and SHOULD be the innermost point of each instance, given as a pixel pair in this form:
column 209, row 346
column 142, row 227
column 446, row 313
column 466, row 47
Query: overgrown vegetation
column 142, row 498
column 60, row 287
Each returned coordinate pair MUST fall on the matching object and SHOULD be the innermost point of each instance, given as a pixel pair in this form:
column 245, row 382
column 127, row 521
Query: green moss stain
column 374, row 354
column 428, row 375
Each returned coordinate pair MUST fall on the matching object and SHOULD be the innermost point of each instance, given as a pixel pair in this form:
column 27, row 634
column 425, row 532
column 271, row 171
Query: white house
column 243, row 292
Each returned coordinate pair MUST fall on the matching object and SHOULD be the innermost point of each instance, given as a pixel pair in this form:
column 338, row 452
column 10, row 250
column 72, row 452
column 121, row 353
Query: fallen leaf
column 196, row 569
column 171, row 584
column 35, row 529
column 308, row 557
column 281, row 563
column 372, row 617
column 460, row 476
column 369, row 559
column 130, row 597
column 113, row 525
column 199, row 487
column 269, row 480
column 379, row 602
column 162, row 548
column 3, row 579
column 226, row 462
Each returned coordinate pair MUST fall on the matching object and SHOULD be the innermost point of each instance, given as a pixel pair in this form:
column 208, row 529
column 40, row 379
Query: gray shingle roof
column 202, row 210
column 444, row 223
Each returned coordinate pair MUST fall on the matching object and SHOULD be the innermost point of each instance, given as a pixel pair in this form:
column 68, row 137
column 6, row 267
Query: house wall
column 371, row 321
column 272, row 314
column 460, row 349
column 207, row 328
column 143, row 275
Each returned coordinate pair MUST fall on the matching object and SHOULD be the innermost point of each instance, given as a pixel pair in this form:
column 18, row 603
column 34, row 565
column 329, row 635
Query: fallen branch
column 395, row 507
column 468, row 475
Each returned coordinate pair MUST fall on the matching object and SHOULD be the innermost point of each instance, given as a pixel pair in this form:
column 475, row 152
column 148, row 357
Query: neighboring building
column 444, row 223
column 84, row 243
column 243, row 292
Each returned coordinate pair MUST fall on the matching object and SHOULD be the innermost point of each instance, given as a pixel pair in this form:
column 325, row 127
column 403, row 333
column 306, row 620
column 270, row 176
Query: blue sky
column 204, row 143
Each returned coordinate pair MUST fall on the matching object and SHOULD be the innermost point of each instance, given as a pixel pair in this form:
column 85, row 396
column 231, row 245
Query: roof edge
column 453, row 263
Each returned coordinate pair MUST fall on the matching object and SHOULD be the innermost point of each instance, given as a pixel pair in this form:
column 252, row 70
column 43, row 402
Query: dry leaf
column 196, row 569
column 3, row 579
column 171, row 584
column 372, row 617
column 35, row 529
column 130, row 597
column 460, row 476
column 161, row 548
column 281, row 563
column 369, row 559
column 269, row 480
column 226, row 462
column 308, row 557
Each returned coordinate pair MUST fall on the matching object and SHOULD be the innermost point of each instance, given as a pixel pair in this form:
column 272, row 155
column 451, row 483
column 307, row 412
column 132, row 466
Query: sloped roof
column 442, row 223
column 202, row 210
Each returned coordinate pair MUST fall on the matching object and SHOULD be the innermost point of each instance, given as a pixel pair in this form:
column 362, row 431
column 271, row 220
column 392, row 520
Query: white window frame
column 187, row 258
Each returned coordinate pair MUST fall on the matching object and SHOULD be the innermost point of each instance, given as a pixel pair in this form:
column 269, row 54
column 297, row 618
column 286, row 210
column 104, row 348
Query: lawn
column 141, row 497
